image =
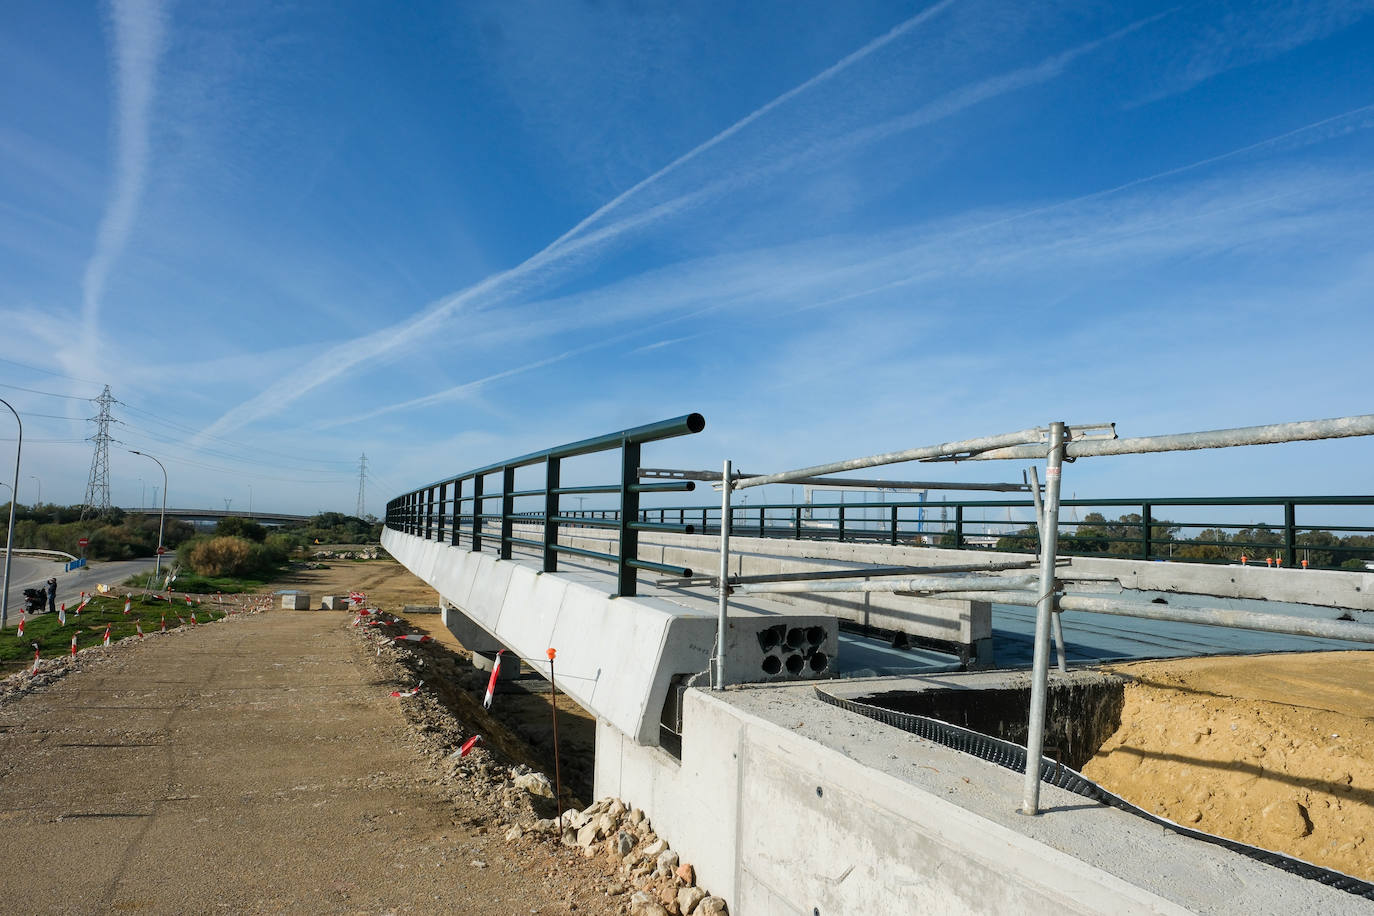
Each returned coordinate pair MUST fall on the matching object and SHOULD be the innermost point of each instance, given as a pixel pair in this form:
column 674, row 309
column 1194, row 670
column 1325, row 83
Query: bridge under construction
column 715, row 644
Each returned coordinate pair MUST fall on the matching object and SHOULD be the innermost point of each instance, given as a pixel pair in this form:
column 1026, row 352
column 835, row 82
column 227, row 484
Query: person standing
column 52, row 594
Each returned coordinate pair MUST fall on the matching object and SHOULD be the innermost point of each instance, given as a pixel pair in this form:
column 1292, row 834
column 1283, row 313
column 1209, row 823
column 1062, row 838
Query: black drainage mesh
column 1013, row 757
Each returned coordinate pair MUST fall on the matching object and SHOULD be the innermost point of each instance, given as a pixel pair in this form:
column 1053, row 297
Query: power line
column 49, row 394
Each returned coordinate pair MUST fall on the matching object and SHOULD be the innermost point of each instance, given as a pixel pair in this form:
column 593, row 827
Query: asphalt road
column 33, row 572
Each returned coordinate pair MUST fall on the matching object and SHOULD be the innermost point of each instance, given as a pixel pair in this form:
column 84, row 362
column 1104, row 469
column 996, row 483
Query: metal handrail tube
column 650, row 432
column 913, row 584
column 964, row 447
column 1205, row 616
column 1271, row 434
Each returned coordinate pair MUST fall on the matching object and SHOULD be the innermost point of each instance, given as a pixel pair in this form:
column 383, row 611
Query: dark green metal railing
column 1149, row 535
column 454, row 510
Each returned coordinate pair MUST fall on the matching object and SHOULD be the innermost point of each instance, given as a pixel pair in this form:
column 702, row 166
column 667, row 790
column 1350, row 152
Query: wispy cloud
column 1211, row 46
column 594, row 233
column 139, row 34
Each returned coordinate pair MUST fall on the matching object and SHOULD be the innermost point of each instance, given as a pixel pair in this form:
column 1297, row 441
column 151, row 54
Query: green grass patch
column 54, row 639
column 198, row 585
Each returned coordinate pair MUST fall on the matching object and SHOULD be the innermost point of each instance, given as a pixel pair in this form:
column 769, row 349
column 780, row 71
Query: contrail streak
column 344, row 357
column 139, row 30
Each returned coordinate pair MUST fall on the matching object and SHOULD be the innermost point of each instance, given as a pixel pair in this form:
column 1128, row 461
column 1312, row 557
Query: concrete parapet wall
column 616, row 656
column 785, row 805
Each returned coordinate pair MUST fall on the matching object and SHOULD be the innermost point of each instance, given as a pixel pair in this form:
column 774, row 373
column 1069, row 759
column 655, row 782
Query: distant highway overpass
column 213, row 515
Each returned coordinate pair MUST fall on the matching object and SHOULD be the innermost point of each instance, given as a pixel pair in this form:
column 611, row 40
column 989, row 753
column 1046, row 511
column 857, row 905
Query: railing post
column 796, row 523
column 763, row 521
column 507, row 510
column 840, row 530
column 443, row 500
column 1290, row 535
column 959, row 528
column 894, row 526
column 477, row 512
column 1146, row 523
column 727, row 480
column 629, row 512
column 552, row 475
column 457, row 527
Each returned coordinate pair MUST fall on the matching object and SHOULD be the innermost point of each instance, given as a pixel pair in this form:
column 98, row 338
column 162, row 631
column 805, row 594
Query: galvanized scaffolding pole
column 1040, row 673
column 724, row 609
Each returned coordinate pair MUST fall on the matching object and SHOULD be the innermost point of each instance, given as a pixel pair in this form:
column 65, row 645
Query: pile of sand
column 1274, row 751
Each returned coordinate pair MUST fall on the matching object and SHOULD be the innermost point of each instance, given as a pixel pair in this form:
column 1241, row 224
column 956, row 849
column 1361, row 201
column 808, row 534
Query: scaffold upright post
column 1040, row 673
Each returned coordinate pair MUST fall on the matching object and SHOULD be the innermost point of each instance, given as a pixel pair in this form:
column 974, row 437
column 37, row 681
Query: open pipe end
column 696, row 422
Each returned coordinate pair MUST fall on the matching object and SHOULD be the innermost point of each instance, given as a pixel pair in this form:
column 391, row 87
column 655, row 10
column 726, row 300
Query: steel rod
column 1040, row 674
column 914, row 584
column 944, row 449
column 9, row 538
column 1272, row 434
column 862, row 483
column 1057, row 621
column 724, row 578
column 873, row 572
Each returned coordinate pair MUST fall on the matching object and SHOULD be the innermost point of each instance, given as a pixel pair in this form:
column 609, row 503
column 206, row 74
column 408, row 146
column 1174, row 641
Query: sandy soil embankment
column 1276, row 751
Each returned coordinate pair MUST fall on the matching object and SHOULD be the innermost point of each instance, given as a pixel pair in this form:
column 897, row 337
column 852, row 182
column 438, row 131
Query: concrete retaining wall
column 787, row 806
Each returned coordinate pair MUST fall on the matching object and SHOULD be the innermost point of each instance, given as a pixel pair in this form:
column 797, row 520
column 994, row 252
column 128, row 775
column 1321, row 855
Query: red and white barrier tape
column 106, row 641
column 414, row 637
column 468, row 745
column 73, row 645
column 138, row 626
column 407, row 693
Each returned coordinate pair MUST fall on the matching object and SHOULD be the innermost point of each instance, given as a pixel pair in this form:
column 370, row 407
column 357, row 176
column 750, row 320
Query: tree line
column 1122, row 537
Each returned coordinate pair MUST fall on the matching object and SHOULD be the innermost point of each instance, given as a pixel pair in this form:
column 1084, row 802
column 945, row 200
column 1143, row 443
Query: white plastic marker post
column 128, row 603
column 193, row 618
column 468, row 745
column 491, row 681
column 181, row 621
column 35, row 658
column 138, row 625
column 85, row 600
column 73, row 645
column 20, row 632
column 188, row 600
column 164, row 623
column 106, row 641
column 78, row 609
column 62, row 616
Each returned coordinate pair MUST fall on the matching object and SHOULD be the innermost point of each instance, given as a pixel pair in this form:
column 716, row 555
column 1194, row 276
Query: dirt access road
column 254, row 765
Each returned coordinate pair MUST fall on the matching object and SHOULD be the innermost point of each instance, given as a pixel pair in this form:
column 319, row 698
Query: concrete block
column 511, row 667
column 300, row 601
column 334, row 603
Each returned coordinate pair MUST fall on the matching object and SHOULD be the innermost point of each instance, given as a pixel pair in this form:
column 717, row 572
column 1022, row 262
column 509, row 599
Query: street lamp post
column 162, row 519
column 9, row 540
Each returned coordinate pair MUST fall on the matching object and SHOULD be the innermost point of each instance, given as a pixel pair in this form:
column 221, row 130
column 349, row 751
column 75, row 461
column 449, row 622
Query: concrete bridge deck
column 787, row 805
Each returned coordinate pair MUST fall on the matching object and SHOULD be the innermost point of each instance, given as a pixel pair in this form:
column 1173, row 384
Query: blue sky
column 444, row 234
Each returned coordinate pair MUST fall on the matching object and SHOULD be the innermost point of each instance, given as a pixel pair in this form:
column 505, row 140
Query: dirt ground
column 260, row 764
column 1276, row 751
column 521, row 725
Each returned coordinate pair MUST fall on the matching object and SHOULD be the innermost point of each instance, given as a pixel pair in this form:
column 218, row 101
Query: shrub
column 221, row 556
